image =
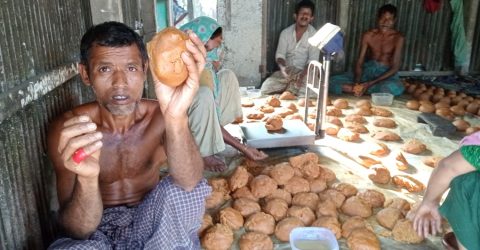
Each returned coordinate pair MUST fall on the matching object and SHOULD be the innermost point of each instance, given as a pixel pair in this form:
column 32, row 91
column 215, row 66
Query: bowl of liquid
column 313, row 238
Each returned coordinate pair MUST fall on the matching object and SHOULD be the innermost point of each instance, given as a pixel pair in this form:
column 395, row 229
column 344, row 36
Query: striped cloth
column 168, row 218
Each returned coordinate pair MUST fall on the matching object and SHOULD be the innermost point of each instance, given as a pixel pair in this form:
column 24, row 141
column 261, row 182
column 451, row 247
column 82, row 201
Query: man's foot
column 214, row 163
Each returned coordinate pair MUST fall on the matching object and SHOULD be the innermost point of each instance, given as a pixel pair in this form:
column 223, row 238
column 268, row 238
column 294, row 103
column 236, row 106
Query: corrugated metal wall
column 427, row 36
column 38, row 50
column 280, row 15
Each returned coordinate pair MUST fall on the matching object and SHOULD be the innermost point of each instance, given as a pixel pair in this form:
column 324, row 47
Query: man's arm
column 78, row 191
column 184, row 160
column 427, row 216
column 281, row 52
column 361, row 57
column 251, row 153
column 397, row 60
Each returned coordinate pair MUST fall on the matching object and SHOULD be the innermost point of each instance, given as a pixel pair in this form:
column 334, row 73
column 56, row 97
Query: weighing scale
column 295, row 132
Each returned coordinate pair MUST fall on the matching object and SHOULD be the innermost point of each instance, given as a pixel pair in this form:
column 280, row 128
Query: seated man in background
column 378, row 62
column 460, row 172
column 293, row 54
column 223, row 87
column 107, row 154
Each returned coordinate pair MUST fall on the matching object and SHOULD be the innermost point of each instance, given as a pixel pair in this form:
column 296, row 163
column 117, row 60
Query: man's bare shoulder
column 88, row 109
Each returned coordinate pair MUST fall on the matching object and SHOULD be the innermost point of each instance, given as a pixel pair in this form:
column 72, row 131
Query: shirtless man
column 114, row 197
column 379, row 60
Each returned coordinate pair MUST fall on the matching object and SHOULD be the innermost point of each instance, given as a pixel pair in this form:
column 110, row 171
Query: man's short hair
column 110, row 34
column 387, row 8
column 305, row 4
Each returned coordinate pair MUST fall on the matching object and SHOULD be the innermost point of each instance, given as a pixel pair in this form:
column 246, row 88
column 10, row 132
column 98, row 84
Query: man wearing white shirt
column 294, row 53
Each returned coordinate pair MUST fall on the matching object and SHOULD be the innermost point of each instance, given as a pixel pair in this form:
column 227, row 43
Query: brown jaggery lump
column 346, row 189
column 398, row 203
column 307, row 199
column 255, row 241
column 220, row 185
column 239, row 178
column 262, row 186
column 215, row 199
column 294, row 117
column 248, row 104
column 276, row 207
column 351, row 224
column 293, row 107
column 340, row 103
column 326, row 174
column 414, row 146
column 285, row 226
column 367, row 161
column 372, row 197
column 326, row 208
column 302, row 103
column 273, row 101
column 379, row 149
column 287, row 95
column 255, row 116
column 297, row 185
column 244, row 192
column 401, row 162
column 207, row 222
column 356, row 119
column 330, row 223
column 432, row 161
column 317, row 185
column 380, row 174
column 335, row 120
column 388, row 216
column 260, row 222
column 386, row 136
column 246, row 206
column 333, row 195
column 284, row 112
column 364, row 111
column 381, row 112
column 282, row 173
column 363, row 103
column 385, row 123
column 266, row 109
column 299, row 160
column 274, row 123
column 347, row 135
column 305, row 214
column 231, row 218
column 363, row 239
column 165, row 50
column 355, row 206
column 217, row 237
column 403, row 231
column 411, row 184
column 280, row 194
column 334, row 112
column 356, row 128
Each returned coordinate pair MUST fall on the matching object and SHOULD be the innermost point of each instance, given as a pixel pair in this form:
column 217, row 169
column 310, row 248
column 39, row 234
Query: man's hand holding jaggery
column 174, row 101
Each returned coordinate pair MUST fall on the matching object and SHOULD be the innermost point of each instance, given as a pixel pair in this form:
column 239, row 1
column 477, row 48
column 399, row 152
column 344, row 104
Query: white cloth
column 204, row 123
column 229, row 97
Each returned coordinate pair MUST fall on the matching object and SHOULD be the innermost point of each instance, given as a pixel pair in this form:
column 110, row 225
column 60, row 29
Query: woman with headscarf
column 225, row 89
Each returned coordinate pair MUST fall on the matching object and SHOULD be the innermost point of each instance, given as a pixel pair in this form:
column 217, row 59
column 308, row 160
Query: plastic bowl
column 319, row 238
column 382, row 99
column 254, row 93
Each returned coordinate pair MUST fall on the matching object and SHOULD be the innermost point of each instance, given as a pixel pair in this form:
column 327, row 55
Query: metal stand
column 317, row 84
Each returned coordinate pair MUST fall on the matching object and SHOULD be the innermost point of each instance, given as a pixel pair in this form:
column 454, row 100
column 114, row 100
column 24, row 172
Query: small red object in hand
column 79, row 155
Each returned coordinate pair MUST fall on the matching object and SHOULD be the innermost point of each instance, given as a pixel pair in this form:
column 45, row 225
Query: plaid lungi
column 168, row 218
